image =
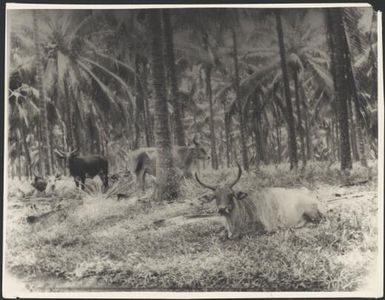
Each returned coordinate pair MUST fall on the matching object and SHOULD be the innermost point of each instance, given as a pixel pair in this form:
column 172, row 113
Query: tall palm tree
column 356, row 103
column 170, row 61
column 167, row 187
column 242, row 124
column 45, row 145
column 208, row 71
column 295, row 67
column 338, row 51
column 290, row 117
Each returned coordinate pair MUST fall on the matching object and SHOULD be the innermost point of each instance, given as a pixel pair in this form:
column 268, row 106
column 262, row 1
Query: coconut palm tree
column 338, row 52
column 290, row 117
column 44, row 142
column 170, row 62
column 167, row 187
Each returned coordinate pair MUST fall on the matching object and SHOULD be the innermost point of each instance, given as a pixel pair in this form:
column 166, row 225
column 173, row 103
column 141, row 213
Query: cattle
column 264, row 209
column 144, row 161
column 43, row 184
column 39, row 183
column 82, row 167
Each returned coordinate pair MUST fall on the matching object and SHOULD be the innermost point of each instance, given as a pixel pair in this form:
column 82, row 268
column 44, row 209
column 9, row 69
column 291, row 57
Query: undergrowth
column 108, row 243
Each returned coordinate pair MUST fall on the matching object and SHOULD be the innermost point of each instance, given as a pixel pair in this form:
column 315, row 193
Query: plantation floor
column 98, row 243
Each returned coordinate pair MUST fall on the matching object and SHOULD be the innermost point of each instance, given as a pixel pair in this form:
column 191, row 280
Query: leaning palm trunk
column 338, row 52
column 44, row 151
column 242, row 124
column 170, row 59
column 167, row 187
column 290, row 118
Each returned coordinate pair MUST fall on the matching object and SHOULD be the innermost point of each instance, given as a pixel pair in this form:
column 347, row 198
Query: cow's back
column 90, row 164
column 281, row 207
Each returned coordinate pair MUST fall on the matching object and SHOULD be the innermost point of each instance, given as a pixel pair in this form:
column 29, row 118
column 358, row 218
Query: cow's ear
column 240, row 195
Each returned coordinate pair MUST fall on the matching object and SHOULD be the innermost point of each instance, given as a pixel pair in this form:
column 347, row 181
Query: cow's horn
column 238, row 177
column 74, row 151
column 203, row 184
column 59, row 152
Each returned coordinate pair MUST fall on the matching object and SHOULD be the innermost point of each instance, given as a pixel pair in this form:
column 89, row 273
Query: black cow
column 82, row 167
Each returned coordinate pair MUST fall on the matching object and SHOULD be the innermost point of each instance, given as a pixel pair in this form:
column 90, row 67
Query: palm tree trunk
column 227, row 136
column 214, row 158
column 338, row 144
column 18, row 154
column 26, row 149
column 170, row 61
column 220, row 148
column 167, row 187
column 44, row 152
column 277, row 129
column 373, row 59
column 242, row 124
column 258, row 130
column 146, row 111
column 361, row 153
column 77, row 124
column 332, row 147
column 12, row 166
column 307, row 131
column 278, row 140
column 291, row 127
column 68, row 108
column 353, row 140
column 299, row 116
column 338, row 53
column 138, row 104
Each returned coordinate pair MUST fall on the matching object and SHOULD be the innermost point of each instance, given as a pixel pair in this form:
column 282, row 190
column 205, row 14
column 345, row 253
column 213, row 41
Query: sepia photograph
column 186, row 151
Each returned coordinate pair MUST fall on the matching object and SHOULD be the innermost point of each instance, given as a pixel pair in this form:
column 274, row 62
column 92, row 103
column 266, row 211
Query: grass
column 106, row 243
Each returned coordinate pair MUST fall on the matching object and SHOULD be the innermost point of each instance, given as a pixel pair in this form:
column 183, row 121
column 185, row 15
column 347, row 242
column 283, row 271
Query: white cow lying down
column 264, row 209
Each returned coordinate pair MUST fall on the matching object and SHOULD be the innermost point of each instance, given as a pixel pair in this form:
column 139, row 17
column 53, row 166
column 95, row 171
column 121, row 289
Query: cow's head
column 223, row 194
column 200, row 151
column 67, row 155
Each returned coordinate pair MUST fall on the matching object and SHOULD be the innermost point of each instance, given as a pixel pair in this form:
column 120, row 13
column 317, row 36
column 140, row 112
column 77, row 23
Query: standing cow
column 85, row 166
column 143, row 160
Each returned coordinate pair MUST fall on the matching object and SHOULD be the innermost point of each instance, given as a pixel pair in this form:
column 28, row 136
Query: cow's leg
column 140, row 179
column 76, row 179
column 144, row 180
column 104, row 179
column 83, row 182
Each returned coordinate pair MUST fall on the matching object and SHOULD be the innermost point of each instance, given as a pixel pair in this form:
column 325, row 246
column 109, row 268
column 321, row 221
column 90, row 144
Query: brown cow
column 144, row 160
column 265, row 209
